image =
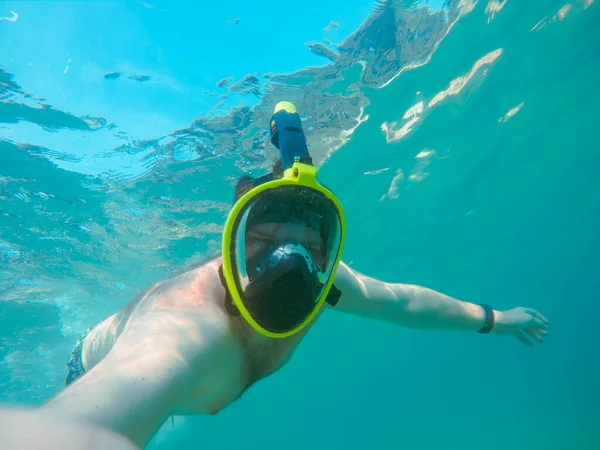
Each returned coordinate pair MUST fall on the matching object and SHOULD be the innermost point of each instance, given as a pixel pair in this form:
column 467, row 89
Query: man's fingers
column 537, row 315
column 538, row 337
column 540, row 324
column 520, row 336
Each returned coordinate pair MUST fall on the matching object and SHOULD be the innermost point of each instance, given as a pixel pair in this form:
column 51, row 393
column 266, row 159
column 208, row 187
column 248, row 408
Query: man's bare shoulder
column 158, row 361
column 193, row 289
column 193, row 292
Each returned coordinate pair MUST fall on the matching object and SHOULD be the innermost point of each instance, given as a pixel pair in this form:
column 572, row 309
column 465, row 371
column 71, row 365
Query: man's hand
column 522, row 323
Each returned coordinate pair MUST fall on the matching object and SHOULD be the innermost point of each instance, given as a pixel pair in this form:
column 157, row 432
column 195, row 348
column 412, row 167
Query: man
column 194, row 343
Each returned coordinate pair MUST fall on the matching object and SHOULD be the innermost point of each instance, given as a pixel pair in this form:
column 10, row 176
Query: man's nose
column 293, row 231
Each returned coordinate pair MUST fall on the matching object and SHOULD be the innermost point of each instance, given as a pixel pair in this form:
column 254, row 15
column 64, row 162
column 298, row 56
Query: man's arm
column 151, row 368
column 24, row 428
column 419, row 307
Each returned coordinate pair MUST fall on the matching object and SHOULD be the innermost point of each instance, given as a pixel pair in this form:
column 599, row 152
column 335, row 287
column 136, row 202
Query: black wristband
column 489, row 320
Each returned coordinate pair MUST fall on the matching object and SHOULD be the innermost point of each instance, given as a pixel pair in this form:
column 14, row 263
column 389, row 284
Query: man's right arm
column 52, row 433
column 153, row 366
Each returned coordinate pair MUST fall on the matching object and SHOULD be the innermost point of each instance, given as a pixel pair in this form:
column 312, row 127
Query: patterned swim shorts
column 75, row 367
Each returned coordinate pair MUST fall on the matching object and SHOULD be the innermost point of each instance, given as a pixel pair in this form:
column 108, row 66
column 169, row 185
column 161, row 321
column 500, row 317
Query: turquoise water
column 491, row 195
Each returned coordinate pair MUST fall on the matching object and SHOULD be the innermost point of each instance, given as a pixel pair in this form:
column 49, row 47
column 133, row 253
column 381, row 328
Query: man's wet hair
column 246, row 182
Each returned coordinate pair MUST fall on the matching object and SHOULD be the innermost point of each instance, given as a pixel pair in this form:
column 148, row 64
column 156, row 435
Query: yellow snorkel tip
column 286, row 106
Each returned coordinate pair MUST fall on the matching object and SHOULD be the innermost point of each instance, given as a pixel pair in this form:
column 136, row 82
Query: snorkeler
column 194, row 343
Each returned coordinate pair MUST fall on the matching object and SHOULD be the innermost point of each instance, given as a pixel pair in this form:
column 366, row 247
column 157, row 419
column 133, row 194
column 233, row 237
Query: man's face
column 260, row 237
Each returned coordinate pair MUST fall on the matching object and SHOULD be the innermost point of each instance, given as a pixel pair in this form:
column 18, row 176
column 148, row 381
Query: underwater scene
column 460, row 137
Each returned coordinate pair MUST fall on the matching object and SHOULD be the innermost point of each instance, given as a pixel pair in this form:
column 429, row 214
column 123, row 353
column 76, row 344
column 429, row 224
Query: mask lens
column 286, row 243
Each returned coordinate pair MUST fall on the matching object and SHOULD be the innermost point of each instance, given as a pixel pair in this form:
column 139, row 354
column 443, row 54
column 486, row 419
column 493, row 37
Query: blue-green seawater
column 479, row 205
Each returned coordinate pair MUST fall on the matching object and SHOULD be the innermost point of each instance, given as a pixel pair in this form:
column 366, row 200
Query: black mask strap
column 333, row 297
column 229, row 305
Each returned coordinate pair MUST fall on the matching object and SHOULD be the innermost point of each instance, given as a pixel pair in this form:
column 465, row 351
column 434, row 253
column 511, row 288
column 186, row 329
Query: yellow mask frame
column 300, row 174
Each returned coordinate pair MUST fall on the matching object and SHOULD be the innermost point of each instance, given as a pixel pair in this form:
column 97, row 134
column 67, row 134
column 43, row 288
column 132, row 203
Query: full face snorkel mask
column 283, row 240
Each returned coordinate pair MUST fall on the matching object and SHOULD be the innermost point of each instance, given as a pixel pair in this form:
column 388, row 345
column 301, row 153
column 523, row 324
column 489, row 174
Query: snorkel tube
column 288, row 136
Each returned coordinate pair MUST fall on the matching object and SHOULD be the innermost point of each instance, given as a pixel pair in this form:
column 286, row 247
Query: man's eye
column 315, row 250
column 259, row 242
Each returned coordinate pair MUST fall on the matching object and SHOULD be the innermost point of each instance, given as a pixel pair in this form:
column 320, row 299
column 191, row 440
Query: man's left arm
column 422, row 308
